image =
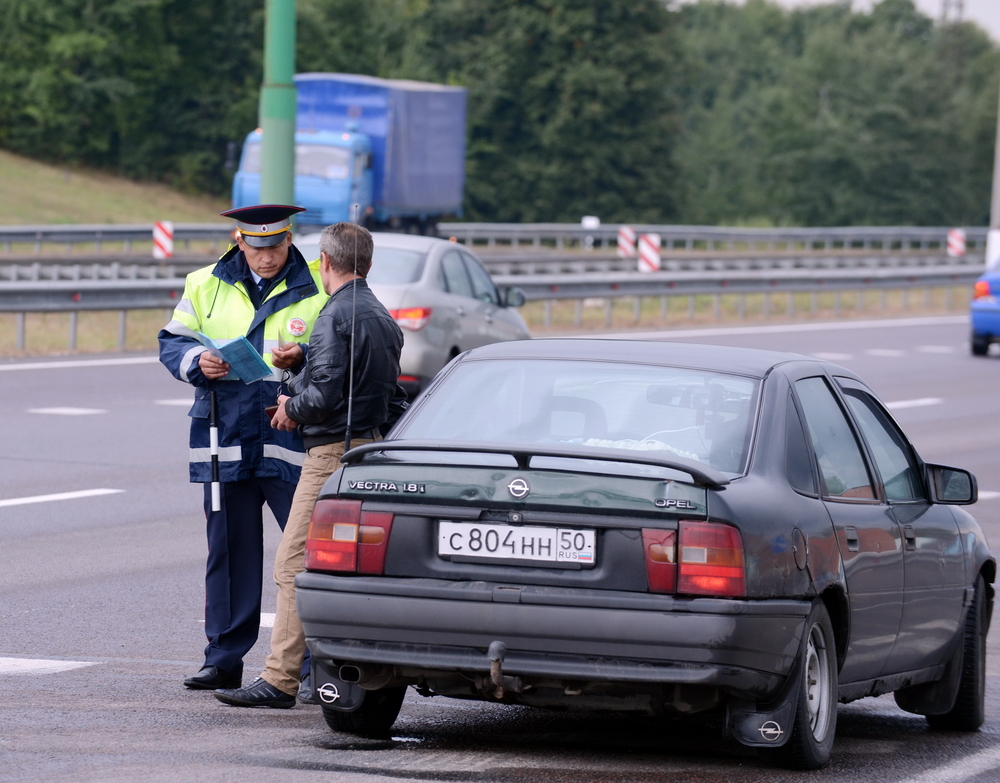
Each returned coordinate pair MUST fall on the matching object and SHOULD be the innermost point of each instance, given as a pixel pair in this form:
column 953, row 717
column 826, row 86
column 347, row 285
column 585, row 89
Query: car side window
column 456, row 279
column 482, row 283
column 798, row 463
column 841, row 464
column 900, row 475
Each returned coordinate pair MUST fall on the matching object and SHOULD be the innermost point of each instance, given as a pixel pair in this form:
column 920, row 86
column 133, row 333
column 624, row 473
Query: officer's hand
column 212, row 366
column 280, row 420
column 287, row 356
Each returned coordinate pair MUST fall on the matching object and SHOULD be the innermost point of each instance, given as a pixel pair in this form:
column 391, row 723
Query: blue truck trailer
column 394, row 147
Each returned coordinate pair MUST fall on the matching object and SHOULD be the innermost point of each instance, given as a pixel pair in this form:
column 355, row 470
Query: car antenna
column 350, row 372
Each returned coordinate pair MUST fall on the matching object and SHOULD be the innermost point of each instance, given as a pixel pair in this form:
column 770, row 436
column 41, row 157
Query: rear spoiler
column 701, row 474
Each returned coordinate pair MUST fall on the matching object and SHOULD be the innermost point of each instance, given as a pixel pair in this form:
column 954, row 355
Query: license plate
column 475, row 542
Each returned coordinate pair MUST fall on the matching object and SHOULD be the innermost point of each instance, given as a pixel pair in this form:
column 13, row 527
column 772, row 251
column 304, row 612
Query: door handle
column 910, row 537
column 853, row 543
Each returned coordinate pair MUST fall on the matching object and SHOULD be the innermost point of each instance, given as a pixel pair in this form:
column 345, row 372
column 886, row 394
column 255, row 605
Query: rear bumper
column 746, row 648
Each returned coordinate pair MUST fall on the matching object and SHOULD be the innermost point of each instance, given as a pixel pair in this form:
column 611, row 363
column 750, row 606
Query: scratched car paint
column 657, row 528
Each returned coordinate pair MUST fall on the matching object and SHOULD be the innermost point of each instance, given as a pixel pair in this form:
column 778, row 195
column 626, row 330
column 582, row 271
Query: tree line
column 632, row 110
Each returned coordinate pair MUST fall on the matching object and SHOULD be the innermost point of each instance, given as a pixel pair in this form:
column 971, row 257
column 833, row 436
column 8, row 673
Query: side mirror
column 514, row 297
column 952, row 486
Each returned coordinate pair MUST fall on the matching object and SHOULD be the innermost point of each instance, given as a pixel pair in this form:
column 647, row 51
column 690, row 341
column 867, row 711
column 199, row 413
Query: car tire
column 980, row 344
column 375, row 716
column 815, row 724
column 969, row 710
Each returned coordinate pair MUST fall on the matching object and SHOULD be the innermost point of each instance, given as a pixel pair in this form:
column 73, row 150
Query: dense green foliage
column 626, row 109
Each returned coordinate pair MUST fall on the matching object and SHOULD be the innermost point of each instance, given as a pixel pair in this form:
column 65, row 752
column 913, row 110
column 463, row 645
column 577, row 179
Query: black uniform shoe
column 212, row 677
column 306, row 693
column 260, row 693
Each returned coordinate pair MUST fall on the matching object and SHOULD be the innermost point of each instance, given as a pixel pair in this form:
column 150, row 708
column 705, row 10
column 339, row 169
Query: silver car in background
column 441, row 296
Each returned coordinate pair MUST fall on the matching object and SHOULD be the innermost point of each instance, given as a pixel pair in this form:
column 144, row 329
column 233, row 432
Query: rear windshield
column 695, row 414
column 389, row 265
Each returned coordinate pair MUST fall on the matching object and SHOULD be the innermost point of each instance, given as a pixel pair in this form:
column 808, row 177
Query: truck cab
column 333, row 171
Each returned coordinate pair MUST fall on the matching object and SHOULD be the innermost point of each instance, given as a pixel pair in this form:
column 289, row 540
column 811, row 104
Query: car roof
column 420, row 244
column 720, row 358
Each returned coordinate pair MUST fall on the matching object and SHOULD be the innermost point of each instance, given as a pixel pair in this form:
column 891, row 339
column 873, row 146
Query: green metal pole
column 277, row 105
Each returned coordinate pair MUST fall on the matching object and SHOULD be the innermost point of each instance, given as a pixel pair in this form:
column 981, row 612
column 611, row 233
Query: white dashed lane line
column 892, row 353
column 67, row 411
column 83, row 493
column 833, row 357
column 39, row 666
column 180, row 401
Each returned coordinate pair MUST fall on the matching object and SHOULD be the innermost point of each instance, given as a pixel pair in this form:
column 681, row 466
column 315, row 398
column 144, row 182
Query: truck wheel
column 980, row 344
column 815, row 724
column 969, row 709
column 375, row 716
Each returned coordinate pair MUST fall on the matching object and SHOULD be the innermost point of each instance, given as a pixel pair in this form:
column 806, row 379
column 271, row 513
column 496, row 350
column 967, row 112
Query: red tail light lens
column 343, row 538
column 981, row 290
column 412, row 318
column 660, row 547
column 710, row 560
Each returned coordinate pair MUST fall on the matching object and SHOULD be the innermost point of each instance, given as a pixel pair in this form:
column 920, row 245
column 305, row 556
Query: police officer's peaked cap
column 265, row 224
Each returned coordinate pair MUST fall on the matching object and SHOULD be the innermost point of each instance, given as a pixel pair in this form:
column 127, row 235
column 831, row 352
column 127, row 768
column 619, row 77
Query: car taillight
column 344, row 538
column 981, row 290
column 412, row 318
column 710, row 560
column 660, row 547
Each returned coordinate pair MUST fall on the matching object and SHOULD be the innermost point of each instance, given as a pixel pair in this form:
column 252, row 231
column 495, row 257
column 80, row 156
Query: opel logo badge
column 518, row 488
column 328, row 692
column 770, row 731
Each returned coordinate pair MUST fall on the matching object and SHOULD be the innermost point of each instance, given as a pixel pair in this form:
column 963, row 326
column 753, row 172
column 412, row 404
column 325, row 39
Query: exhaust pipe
column 370, row 678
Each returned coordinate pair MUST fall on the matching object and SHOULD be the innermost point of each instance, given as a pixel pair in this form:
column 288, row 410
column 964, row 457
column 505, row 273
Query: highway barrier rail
column 549, row 262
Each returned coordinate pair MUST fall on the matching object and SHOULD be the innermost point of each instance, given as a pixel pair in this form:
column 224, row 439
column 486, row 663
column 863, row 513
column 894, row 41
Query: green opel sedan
column 656, row 528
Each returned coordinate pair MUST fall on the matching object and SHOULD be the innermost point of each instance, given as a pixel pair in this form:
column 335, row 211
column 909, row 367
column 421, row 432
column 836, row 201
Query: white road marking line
column 936, row 349
column 180, row 401
column 79, row 363
column 39, row 666
column 884, row 352
column 961, row 769
column 923, row 402
column 833, row 357
column 267, row 619
column 83, row 493
column 67, row 411
column 988, row 494
column 670, row 334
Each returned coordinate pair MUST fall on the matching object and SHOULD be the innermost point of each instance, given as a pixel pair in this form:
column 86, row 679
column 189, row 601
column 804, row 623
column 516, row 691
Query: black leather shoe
column 212, row 677
column 306, row 693
column 259, row 693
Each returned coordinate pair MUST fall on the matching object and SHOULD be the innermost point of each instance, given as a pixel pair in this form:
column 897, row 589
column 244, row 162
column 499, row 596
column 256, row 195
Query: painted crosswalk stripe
column 922, row 402
column 67, row 411
column 83, row 493
column 39, row 666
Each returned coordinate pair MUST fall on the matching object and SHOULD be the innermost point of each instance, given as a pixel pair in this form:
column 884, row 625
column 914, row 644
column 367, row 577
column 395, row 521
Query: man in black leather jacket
column 318, row 407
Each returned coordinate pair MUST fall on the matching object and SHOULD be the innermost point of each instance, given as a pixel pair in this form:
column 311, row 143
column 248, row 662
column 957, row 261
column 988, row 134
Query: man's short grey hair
column 349, row 248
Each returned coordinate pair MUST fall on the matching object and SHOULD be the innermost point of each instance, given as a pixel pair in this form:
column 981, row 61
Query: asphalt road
column 101, row 598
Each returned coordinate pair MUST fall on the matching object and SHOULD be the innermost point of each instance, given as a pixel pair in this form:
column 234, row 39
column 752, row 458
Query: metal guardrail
column 559, row 235
column 711, row 237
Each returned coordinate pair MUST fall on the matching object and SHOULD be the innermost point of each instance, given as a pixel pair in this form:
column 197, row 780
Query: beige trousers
column 288, row 641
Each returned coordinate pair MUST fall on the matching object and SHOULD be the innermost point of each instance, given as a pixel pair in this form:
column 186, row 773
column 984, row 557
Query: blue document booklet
column 244, row 361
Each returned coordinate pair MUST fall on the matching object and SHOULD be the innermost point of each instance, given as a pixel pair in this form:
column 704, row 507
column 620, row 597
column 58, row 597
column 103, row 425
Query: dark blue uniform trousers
column 234, row 575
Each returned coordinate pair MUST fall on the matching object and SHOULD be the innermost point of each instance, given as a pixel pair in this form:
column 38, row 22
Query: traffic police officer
column 264, row 289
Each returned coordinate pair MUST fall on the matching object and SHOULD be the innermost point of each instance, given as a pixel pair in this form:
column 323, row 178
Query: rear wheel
column 815, row 723
column 969, row 710
column 980, row 344
column 375, row 716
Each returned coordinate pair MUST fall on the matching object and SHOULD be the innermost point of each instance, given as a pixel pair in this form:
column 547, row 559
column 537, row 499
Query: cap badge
column 263, row 227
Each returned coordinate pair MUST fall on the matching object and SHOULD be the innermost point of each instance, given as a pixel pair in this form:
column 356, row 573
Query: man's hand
column 287, row 356
column 212, row 366
column 280, row 420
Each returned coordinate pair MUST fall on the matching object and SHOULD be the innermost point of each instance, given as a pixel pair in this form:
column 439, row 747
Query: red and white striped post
column 163, row 239
column 956, row 243
column 649, row 253
column 626, row 242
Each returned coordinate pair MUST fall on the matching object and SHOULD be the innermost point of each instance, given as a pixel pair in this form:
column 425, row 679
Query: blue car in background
column 985, row 312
